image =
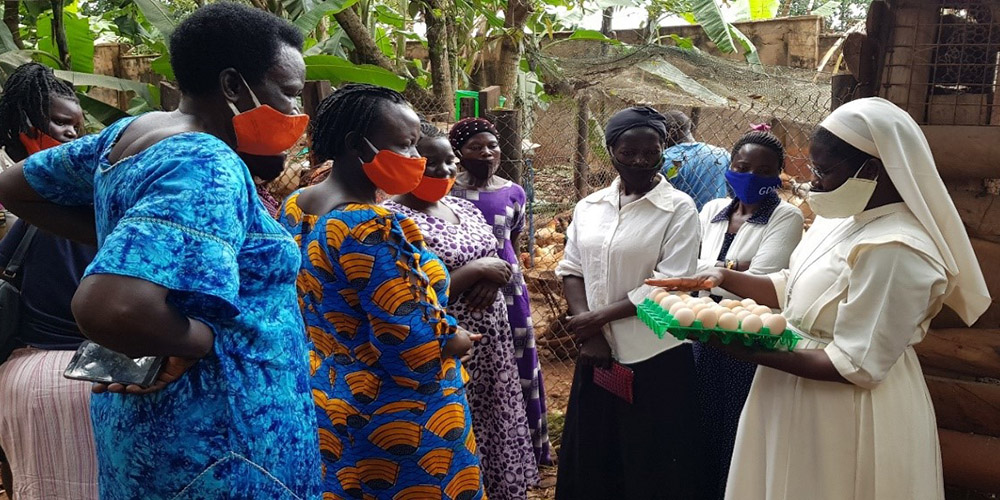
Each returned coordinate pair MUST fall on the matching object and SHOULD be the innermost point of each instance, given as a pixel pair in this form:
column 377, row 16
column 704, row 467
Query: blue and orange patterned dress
column 393, row 418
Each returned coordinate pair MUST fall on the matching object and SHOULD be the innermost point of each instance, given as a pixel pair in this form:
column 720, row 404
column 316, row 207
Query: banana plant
column 726, row 37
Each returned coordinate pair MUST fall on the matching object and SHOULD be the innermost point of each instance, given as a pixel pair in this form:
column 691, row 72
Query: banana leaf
column 158, row 15
column 338, row 70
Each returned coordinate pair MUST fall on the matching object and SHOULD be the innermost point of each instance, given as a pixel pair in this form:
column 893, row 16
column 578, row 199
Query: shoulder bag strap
column 14, row 264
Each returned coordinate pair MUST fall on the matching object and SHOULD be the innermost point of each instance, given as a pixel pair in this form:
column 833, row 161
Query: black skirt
column 646, row 450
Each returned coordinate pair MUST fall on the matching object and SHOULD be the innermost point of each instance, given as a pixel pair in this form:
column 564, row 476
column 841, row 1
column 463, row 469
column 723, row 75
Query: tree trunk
column 452, row 37
column 12, row 18
column 59, row 33
column 364, row 43
column 367, row 52
column 437, row 43
column 606, row 18
column 511, row 46
column 785, row 8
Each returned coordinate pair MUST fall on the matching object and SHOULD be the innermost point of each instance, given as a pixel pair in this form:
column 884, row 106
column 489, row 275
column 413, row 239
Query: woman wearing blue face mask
column 847, row 415
column 755, row 231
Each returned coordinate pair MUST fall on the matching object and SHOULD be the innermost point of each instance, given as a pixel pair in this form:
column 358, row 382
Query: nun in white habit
column 847, row 415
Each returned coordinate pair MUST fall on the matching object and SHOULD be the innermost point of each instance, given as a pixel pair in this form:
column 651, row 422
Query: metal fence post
column 507, row 123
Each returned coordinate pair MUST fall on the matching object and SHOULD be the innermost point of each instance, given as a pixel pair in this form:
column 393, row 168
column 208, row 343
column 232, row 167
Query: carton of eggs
column 728, row 314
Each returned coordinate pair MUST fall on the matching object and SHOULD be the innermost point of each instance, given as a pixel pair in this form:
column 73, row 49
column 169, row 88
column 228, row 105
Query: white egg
column 667, row 302
column 719, row 310
column 708, row 300
column 776, row 323
column 677, row 307
column 763, row 317
column 728, row 321
column 743, row 314
column 685, row 317
column 751, row 324
column 734, row 304
column 658, row 294
column 738, row 309
column 748, row 303
column 708, row 318
column 726, row 303
column 685, row 297
column 697, row 308
column 758, row 310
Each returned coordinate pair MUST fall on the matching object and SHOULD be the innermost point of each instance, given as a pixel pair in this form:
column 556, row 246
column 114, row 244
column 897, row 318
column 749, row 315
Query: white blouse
column 767, row 239
column 867, row 286
column 614, row 250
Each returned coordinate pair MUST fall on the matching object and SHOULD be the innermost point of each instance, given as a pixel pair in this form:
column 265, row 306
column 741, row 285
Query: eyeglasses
column 816, row 172
column 819, row 174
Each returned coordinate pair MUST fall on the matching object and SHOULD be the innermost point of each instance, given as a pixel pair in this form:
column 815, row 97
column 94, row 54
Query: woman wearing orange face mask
column 44, row 418
column 191, row 267
column 33, row 95
column 388, row 385
column 456, row 231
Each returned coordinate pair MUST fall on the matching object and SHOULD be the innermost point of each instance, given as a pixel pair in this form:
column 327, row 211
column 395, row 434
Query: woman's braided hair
column 25, row 100
column 762, row 138
column 352, row 108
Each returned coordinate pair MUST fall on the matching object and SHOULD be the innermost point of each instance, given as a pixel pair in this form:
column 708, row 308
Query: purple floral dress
column 503, row 209
column 498, row 416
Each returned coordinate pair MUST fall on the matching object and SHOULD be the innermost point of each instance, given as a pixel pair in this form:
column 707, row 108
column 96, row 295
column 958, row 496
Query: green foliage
column 724, row 35
column 592, row 35
column 338, row 70
column 763, row 9
column 79, row 39
column 6, row 39
column 308, row 20
column 158, row 15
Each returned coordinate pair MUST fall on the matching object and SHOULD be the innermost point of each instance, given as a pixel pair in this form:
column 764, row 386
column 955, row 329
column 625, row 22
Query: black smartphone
column 94, row 363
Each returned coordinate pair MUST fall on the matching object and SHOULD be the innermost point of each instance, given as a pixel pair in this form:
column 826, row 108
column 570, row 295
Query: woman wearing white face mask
column 847, row 415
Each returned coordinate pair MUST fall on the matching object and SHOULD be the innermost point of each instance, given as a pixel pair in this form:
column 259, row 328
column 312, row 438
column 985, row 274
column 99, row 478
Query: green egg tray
column 661, row 322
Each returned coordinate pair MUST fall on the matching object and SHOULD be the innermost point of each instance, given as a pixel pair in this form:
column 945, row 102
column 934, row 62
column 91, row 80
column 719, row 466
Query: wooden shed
column 938, row 60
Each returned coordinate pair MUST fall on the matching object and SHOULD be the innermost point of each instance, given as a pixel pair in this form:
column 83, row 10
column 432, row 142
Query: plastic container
column 661, row 322
column 474, row 94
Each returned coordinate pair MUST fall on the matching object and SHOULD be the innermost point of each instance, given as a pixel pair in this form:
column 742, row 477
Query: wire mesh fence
column 564, row 158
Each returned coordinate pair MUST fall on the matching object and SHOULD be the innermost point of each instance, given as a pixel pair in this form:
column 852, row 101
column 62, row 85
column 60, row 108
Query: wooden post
column 489, row 99
column 582, row 145
column 170, row 96
column 842, row 87
column 906, row 74
column 508, row 126
column 466, row 108
column 313, row 93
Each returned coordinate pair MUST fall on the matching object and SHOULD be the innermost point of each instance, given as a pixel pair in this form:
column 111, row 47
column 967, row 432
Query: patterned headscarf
column 462, row 131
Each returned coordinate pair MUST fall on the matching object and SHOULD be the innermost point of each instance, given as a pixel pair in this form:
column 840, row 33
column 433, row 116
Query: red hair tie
column 763, row 127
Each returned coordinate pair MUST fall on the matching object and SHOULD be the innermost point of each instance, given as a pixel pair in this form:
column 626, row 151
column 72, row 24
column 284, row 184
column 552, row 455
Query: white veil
column 879, row 128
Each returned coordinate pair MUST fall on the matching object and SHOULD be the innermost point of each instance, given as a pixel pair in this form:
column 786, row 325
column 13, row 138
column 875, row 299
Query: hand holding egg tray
column 700, row 318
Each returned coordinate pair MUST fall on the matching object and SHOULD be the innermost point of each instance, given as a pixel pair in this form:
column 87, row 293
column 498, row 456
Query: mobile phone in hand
column 94, row 363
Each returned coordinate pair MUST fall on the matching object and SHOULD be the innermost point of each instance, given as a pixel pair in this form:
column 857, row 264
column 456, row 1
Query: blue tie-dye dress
column 183, row 214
